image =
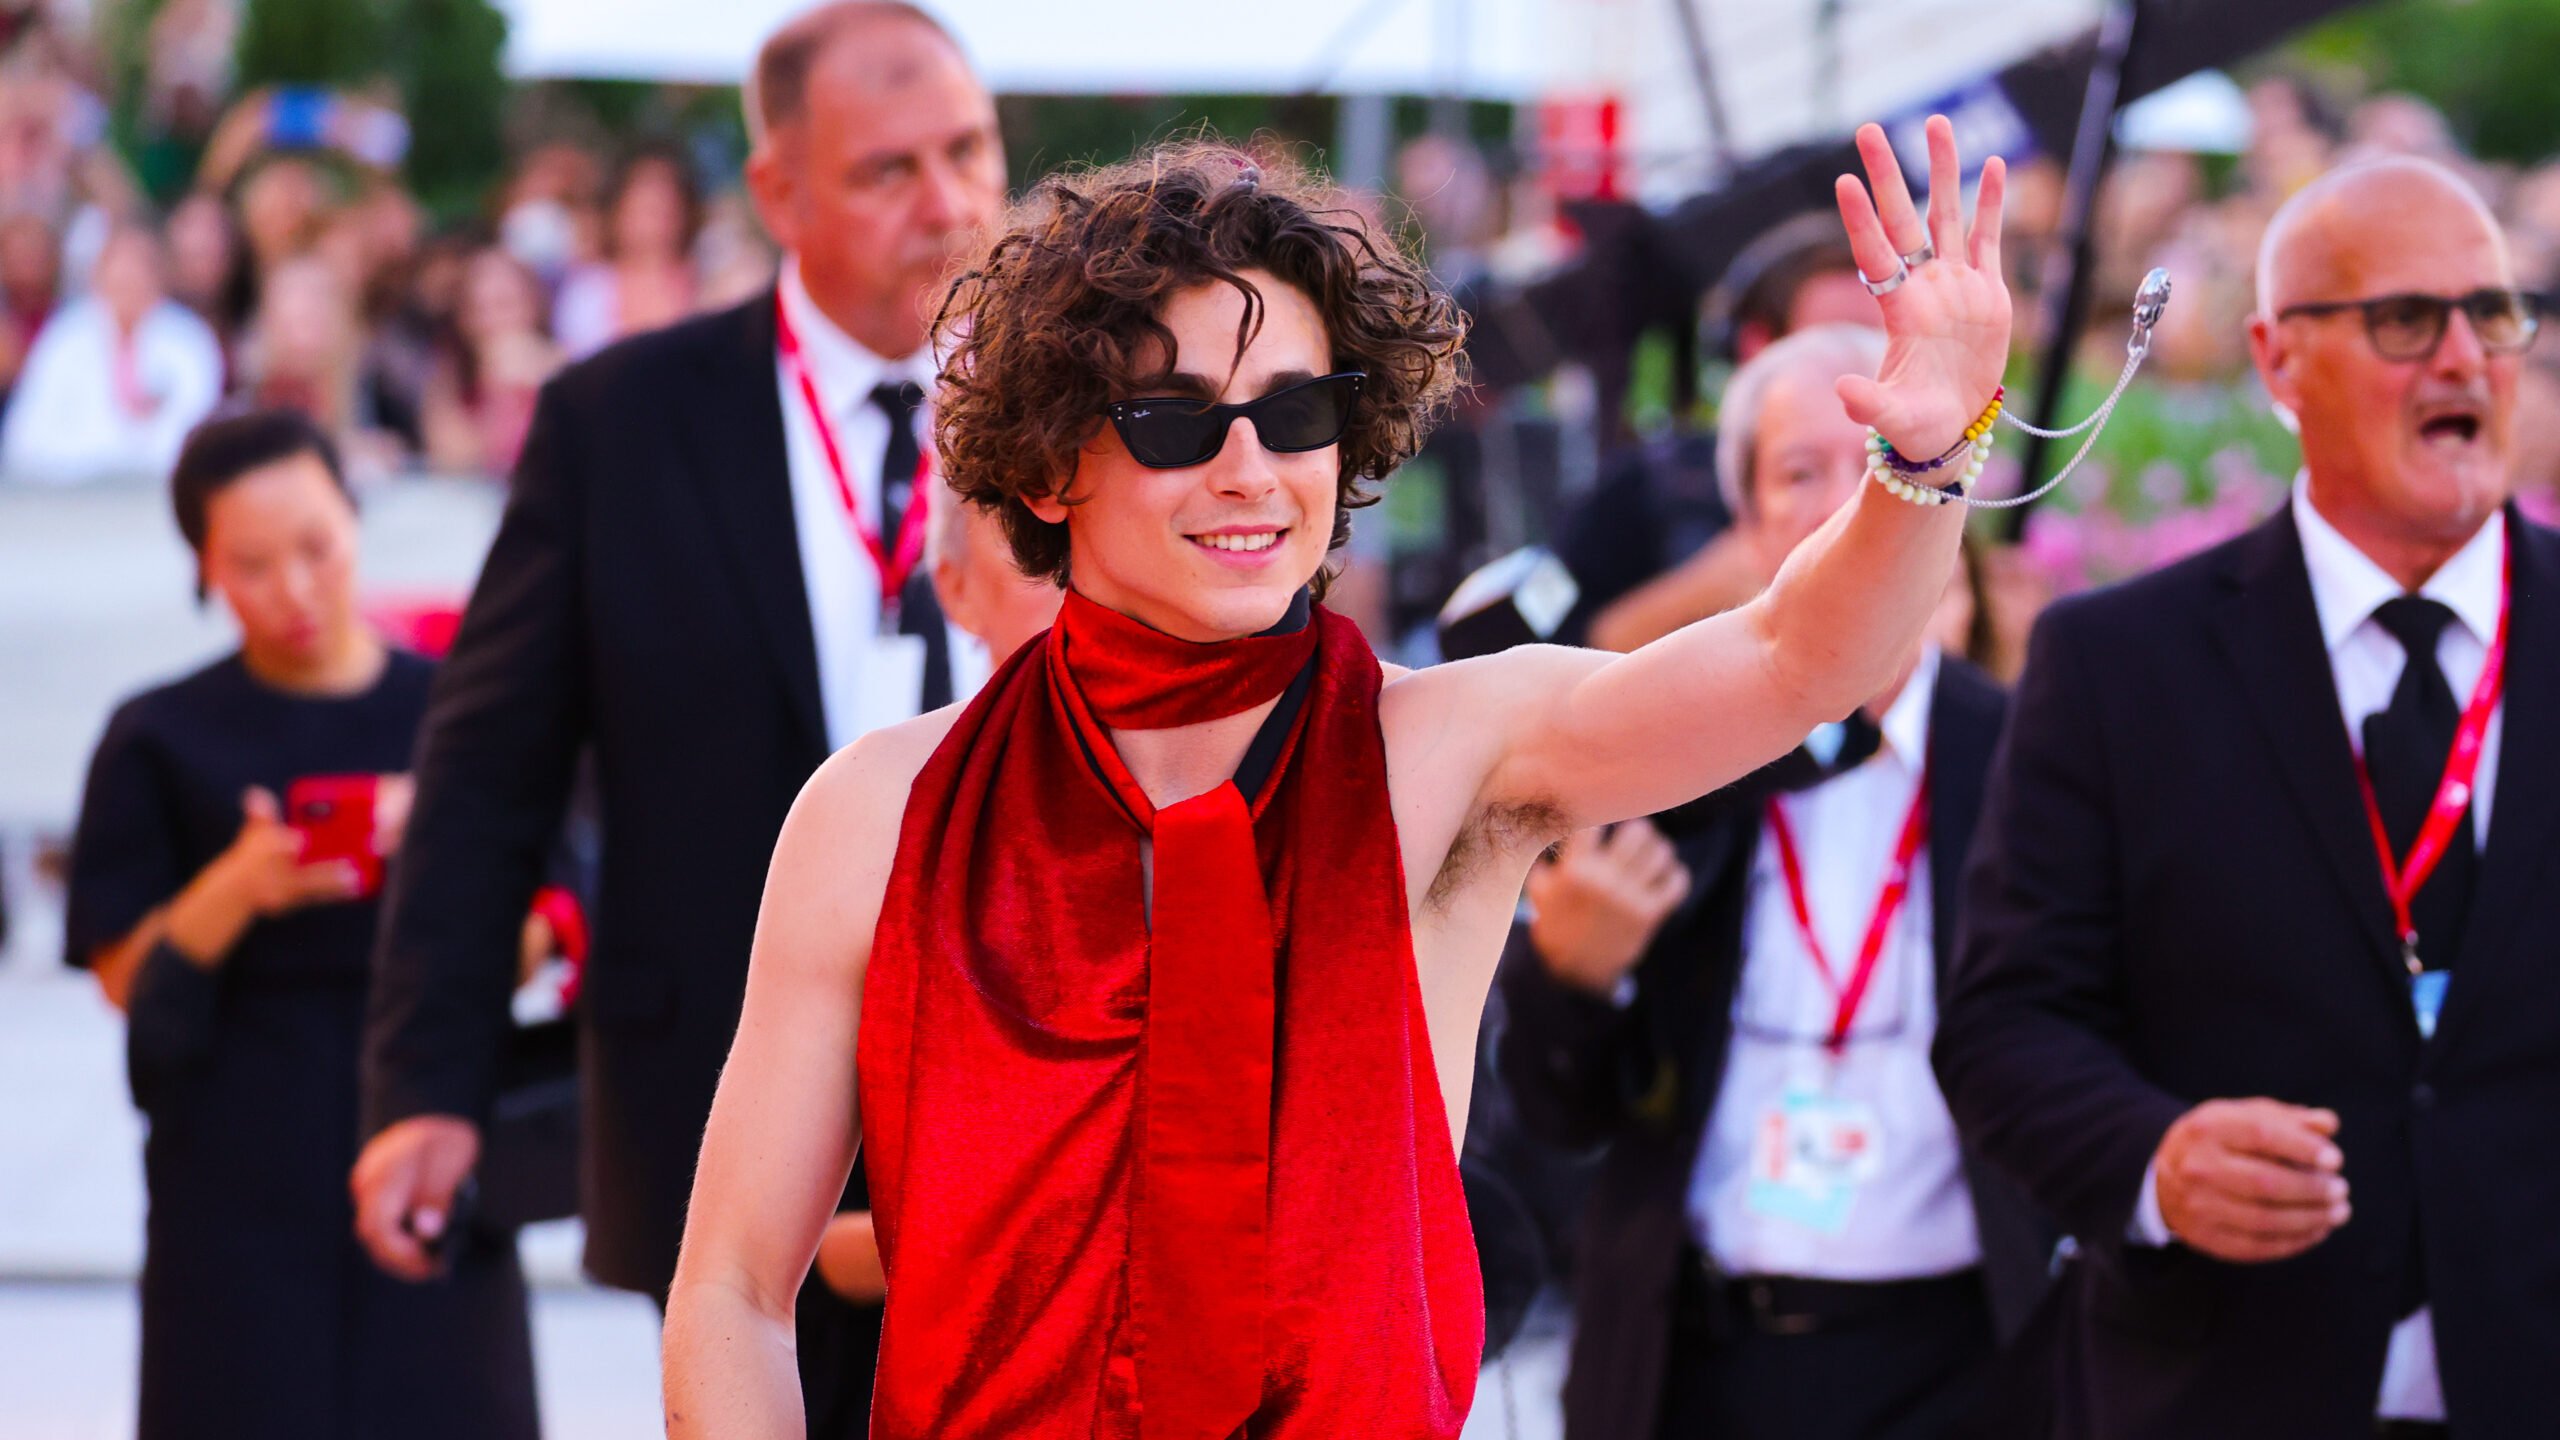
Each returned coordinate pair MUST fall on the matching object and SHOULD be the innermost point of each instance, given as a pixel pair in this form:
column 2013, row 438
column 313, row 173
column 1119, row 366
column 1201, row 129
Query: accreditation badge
column 1810, row 1156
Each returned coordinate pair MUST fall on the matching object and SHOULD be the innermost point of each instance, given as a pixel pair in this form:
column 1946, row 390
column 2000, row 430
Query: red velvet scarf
column 1161, row 1183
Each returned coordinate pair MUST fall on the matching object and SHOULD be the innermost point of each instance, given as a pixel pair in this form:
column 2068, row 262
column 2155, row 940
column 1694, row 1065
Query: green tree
column 440, row 58
column 2485, row 63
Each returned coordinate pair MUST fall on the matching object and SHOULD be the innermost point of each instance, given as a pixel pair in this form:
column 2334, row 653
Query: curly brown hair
column 1060, row 313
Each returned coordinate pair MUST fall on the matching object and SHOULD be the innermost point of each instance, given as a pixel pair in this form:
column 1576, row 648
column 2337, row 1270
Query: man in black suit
column 2303, row 1132
column 1784, row 1238
column 699, row 579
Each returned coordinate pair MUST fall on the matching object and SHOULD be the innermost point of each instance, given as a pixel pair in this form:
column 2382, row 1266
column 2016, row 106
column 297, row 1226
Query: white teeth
column 1262, row 541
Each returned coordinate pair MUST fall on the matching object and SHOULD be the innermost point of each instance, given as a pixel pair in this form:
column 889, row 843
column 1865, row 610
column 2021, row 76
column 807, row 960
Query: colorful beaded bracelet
column 1902, row 484
column 1981, row 426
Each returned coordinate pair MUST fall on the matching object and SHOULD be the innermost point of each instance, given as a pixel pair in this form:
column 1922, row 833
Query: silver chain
column 2148, row 302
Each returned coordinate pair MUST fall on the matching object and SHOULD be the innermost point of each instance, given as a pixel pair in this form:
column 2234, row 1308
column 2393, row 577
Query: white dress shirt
column 2365, row 661
column 73, row 417
column 1914, row 1215
column 862, row 683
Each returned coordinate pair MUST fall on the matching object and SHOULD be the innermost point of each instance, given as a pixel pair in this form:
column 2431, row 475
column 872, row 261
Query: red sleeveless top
column 1191, row 1183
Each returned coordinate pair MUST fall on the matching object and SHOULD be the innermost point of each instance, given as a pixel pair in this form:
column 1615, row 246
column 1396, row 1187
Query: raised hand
column 1947, row 324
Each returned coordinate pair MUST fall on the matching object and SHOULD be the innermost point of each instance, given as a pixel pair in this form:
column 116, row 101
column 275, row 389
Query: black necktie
column 898, row 461
column 1802, row 769
column 2405, row 745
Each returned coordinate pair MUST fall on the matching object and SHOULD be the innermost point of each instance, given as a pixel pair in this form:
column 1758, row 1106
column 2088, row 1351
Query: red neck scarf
column 1141, row 1166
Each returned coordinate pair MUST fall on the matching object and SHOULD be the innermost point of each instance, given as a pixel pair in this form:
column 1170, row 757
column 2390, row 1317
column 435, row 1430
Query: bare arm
column 784, row 1126
column 1600, row 739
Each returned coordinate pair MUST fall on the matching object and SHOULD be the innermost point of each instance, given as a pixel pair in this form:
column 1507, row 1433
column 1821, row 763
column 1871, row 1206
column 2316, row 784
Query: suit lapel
column 1964, row 726
column 2524, row 824
column 2270, row 632
column 738, row 458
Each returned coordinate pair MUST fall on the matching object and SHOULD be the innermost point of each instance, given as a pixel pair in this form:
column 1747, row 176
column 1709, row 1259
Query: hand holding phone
column 335, row 816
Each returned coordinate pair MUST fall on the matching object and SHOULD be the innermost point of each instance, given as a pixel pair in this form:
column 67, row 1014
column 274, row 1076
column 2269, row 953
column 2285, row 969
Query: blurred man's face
column 1807, row 460
column 2420, row 449
column 981, row 590
column 1834, row 297
column 892, row 164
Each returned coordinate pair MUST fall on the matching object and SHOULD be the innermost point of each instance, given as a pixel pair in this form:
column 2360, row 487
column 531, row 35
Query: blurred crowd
column 260, row 247
column 263, row 245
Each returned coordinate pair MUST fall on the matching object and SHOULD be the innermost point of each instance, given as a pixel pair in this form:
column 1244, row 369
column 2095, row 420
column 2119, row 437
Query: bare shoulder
column 832, row 864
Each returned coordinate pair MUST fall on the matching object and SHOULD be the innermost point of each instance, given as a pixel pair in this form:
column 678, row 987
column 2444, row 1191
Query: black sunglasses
column 2410, row 327
column 1173, row 432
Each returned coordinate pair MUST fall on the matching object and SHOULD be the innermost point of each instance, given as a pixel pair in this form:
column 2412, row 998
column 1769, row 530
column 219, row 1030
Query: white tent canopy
column 1790, row 70
column 1485, row 48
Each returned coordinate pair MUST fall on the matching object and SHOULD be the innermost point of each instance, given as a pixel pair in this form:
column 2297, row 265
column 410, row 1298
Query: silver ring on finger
column 1889, row 284
column 1927, row 252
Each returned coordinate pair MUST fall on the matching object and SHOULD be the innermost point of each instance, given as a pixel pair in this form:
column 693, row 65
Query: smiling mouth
column 1240, row 544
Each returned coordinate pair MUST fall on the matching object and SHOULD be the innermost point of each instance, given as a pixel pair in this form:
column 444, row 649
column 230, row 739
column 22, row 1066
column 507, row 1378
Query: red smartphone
column 335, row 815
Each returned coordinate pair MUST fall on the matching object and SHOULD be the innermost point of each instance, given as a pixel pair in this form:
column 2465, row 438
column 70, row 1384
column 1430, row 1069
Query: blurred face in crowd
column 199, row 249
column 975, row 579
column 30, row 263
column 649, row 216
column 305, row 325
column 878, row 182
column 279, row 209
column 128, row 276
column 280, row 548
column 1808, row 458
column 1216, row 550
column 499, row 297
column 2406, row 456
column 1833, row 297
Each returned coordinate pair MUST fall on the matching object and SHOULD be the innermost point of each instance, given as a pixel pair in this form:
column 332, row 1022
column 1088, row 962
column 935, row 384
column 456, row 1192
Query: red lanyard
column 2403, row 880
column 894, row 568
column 1897, row 886
column 125, row 373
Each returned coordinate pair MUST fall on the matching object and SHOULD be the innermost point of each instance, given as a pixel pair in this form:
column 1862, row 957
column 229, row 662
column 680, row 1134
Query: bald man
column 2253, row 994
column 703, row 580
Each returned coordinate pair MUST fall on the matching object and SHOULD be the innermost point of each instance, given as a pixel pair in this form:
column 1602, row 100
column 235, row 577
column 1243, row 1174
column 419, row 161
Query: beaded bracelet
column 1887, row 466
column 1981, row 426
column 1900, row 482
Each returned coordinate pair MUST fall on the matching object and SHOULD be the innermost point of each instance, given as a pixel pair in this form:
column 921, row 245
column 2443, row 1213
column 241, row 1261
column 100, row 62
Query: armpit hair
column 1491, row 832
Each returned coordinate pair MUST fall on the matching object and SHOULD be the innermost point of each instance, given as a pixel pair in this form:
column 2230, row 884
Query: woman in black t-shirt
column 222, row 890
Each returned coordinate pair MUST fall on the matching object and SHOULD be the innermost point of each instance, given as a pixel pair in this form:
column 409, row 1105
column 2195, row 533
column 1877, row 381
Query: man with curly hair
column 1165, row 987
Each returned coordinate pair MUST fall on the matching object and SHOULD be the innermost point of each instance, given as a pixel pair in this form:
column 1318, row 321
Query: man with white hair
column 2254, row 996
column 1785, row 1237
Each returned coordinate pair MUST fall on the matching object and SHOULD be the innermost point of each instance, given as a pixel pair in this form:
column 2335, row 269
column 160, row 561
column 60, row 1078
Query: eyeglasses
column 2410, row 327
column 1172, row 432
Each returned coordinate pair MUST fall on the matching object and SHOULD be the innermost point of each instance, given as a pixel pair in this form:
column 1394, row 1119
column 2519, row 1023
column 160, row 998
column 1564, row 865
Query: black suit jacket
column 1643, row 1079
column 2175, row 898
column 644, row 599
